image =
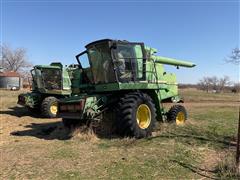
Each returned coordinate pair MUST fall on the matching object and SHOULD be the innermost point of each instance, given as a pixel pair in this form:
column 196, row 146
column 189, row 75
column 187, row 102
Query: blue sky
column 204, row 32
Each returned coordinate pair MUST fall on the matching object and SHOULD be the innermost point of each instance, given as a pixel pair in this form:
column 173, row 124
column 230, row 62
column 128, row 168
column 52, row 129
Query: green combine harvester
column 49, row 84
column 126, row 80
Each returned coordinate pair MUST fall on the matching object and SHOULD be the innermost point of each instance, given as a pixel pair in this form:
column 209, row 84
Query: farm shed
column 10, row 79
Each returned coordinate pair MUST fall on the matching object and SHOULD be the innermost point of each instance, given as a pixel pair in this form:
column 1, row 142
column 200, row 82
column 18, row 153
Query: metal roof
column 9, row 74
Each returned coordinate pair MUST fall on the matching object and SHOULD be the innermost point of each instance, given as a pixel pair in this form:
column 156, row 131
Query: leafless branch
column 234, row 58
column 14, row 59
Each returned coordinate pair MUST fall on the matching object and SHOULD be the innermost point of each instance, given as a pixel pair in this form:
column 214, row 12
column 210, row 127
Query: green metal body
column 109, row 78
column 48, row 80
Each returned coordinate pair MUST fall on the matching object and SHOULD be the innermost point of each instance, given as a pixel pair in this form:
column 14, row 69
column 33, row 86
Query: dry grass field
column 36, row 148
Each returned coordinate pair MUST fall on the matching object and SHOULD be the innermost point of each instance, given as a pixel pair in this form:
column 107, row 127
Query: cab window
column 129, row 62
column 101, row 63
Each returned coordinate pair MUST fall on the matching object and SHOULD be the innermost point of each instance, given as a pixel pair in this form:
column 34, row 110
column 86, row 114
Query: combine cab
column 49, row 84
column 127, row 80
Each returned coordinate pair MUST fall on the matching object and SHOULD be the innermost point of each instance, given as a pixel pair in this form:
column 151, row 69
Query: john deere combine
column 49, row 83
column 128, row 80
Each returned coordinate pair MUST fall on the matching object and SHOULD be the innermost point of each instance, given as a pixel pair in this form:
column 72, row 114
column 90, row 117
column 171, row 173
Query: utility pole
column 238, row 143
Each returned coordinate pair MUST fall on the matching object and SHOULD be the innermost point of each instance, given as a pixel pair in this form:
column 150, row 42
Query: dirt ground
column 35, row 148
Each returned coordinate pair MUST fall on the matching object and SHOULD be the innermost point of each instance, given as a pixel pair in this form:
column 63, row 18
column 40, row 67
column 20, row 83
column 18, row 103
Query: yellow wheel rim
column 143, row 116
column 54, row 108
column 180, row 119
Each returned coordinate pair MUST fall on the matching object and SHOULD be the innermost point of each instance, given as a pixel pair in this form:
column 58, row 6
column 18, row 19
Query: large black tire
column 47, row 107
column 177, row 114
column 129, row 121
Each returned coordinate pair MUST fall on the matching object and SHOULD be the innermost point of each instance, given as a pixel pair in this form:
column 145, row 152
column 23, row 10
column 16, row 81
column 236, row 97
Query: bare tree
column 223, row 82
column 14, row 59
column 214, row 84
column 234, row 58
column 205, row 83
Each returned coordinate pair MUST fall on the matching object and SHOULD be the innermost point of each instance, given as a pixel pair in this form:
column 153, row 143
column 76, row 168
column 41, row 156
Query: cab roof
column 98, row 41
column 105, row 40
column 47, row 67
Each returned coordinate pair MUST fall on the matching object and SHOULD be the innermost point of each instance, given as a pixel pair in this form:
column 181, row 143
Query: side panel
column 165, row 90
column 172, row 86
column 57, row 92
column 166, row 81
column 151, row 75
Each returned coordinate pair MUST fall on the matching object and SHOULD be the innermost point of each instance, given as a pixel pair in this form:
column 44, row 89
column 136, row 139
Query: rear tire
column 49, row 107
column 136, row 115
column 177, row 114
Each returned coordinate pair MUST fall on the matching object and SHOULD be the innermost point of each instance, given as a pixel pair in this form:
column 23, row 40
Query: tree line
column 218, row 85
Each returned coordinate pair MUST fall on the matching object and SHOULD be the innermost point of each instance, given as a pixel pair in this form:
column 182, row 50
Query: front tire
column 136, row 115
column 177, row 114
column 49, row 107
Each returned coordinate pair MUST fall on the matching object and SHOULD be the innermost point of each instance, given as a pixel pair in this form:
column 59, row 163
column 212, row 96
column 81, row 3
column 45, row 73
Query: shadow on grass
column 226, row 143
column 210, row 174
column 20, row 112
column 56, row 130
column 45, row 131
